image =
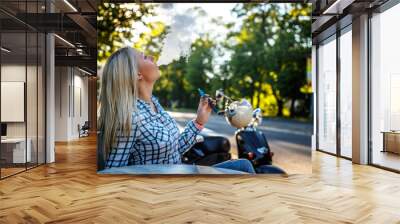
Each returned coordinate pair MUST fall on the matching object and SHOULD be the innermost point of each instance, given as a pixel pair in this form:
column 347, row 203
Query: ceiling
column 73, row 22
column 327, row 14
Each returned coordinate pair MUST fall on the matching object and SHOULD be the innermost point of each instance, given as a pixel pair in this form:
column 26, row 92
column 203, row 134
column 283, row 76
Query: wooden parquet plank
column 70, row 191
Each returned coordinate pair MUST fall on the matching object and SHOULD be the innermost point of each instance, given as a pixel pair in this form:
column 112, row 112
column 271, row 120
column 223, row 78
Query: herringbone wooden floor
column 70, row 191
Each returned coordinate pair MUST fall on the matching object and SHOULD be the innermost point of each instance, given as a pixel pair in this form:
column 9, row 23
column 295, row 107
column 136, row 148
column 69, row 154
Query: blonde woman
column 136, row 129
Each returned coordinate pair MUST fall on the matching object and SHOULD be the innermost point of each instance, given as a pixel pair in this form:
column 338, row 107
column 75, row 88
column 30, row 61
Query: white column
column 62, row 103
column 360, row 90
column 50, row 110
column 314, row 89
column 50, row 92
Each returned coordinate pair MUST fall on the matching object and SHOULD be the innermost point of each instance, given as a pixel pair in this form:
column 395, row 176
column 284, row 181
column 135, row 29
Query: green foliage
column 267, row 61
column 181, row 78
column 295, row 41
column 274, row 44
column 116, row 26
column 172, row 85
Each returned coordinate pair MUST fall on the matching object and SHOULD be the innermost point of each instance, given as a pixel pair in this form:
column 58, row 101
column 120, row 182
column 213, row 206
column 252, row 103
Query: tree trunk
column 279, row 103
column 259, row 93
column 280, row 107
column 258, row 100
column 253, row 87
column 292, row 111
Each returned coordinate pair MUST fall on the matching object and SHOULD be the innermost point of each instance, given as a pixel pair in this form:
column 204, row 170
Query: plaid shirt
column 154, row 139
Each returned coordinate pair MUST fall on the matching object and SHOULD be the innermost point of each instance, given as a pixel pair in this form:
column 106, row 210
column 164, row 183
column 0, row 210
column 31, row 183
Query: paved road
column 289, row 140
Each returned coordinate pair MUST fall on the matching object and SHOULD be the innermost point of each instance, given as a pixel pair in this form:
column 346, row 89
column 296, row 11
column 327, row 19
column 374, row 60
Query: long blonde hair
column 118, row 96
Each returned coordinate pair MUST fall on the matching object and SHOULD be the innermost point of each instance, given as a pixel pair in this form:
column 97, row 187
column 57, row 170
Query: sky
column 186, row 24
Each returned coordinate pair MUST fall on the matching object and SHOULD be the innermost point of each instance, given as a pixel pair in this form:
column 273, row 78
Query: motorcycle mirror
column 199, row 138
column 257, row 117
column 219, row 94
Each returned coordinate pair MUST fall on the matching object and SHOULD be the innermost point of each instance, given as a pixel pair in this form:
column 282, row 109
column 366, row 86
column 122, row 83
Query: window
column 385, row 89
column 327, row 95
column 346, row 92
column 22, row 88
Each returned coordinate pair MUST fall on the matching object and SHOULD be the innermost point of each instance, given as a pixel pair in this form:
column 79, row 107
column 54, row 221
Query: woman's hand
column 204, row 109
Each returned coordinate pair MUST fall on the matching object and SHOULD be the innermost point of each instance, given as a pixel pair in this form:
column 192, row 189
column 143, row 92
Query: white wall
column 12, row 73
column 61, row 103
column 71, row 94
column 33, row 127
column 80, row 103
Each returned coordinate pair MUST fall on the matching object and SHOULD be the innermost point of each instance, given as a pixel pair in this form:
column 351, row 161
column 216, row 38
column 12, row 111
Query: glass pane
column 385, row 84
column 345, row 94
column 17, row 9
column 32, row 98
column 13, row 86
column 327, row 96
column 32, row 85
column 23, row 82
column 41, row 98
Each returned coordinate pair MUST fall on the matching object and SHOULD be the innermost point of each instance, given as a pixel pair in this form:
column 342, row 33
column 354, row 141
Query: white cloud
column 186, row 24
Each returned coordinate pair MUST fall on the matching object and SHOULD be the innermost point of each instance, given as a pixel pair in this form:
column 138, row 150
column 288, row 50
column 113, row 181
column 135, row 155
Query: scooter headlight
column 239, row 113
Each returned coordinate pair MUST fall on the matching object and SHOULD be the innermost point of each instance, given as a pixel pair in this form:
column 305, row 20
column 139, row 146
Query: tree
column 252, row 48
column 271, row 48
column 265, row 57
column 116, row 28
column 172, row 85
column 199, row 65
column 292, row 49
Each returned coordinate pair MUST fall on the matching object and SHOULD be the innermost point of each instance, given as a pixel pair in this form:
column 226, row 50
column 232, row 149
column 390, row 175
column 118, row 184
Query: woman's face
column 148, row 69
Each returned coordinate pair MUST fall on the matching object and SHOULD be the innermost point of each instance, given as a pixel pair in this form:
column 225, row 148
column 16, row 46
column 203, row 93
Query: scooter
column 252, row 144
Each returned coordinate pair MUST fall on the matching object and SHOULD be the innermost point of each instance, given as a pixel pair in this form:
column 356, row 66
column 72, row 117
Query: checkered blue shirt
column 154, row 139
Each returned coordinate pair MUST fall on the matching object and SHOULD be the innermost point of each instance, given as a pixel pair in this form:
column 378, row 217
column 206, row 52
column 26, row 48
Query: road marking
column 205, row 131
column 218, row 120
